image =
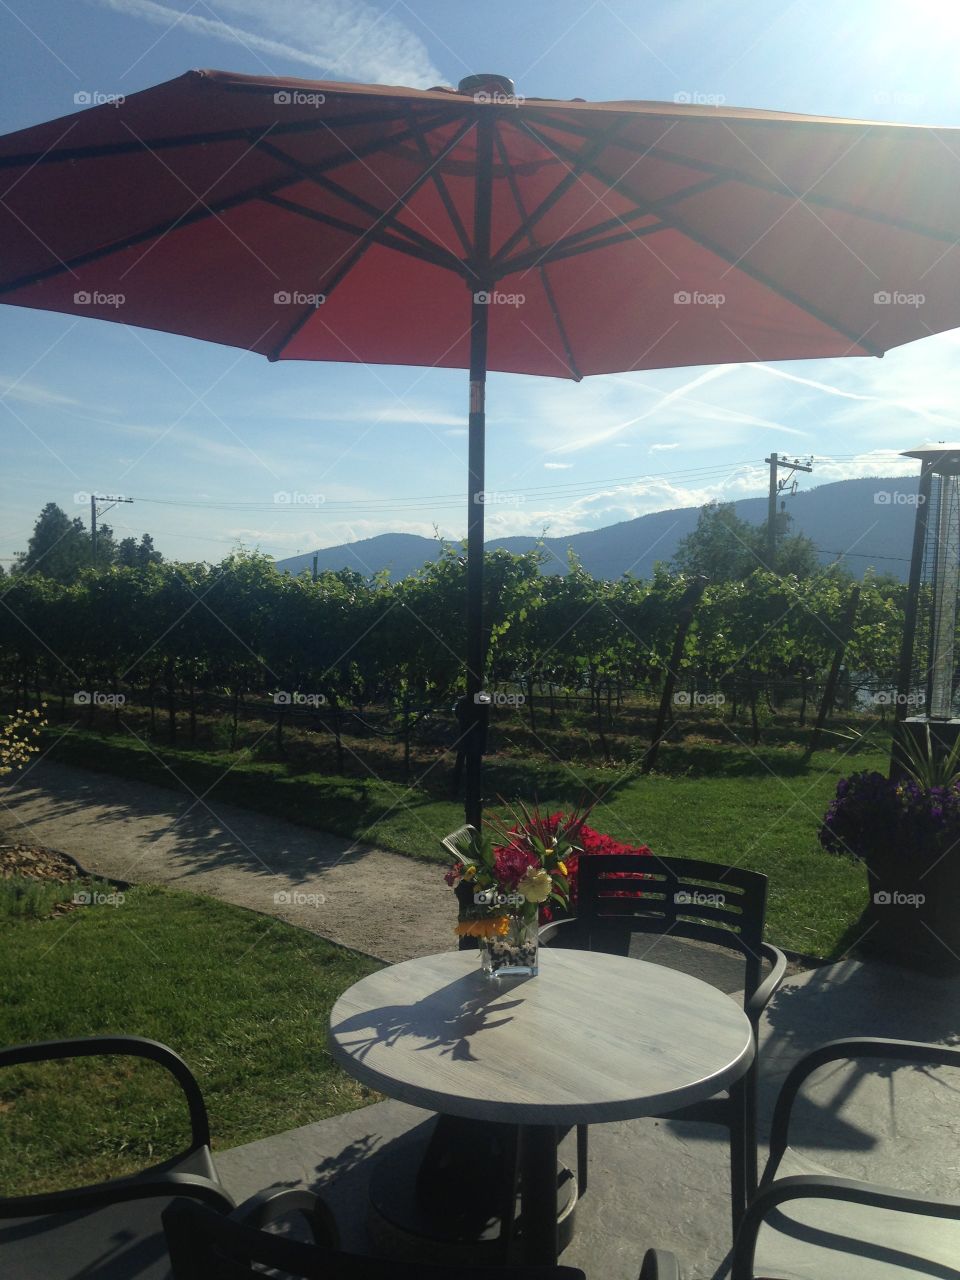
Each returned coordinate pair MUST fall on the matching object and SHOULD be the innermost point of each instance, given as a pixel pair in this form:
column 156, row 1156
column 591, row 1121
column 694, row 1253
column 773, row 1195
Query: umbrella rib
column 599, row 229
column 425, row 252
column 365, row 206
column 727, row 173
column 563, row 249
column 672, row 223
column 566, row 182
column 544, row 278
column 172, row 142
column 369, row 237
column 437, row 177
column 595, row 237
column 129, row 242
column 207, row 210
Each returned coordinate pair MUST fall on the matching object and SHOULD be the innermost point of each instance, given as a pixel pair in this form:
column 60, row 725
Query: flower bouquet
column 520, row 875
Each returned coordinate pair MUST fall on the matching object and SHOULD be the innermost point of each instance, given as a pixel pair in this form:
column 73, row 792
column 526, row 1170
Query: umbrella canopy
column 203, row 200
column 472, row 229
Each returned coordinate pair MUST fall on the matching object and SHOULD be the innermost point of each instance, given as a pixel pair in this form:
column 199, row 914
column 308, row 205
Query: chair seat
column 118, row 1242
column 821, row 1239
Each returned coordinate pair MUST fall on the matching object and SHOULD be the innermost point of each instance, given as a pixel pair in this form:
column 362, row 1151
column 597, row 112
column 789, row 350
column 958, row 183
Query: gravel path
column 381, row 903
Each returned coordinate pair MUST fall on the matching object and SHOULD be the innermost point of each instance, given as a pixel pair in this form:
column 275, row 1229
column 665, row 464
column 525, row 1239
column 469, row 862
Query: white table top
column 593, row 1037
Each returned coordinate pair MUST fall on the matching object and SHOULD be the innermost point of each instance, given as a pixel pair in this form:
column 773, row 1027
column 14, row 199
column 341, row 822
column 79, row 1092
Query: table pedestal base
column 447, row 1227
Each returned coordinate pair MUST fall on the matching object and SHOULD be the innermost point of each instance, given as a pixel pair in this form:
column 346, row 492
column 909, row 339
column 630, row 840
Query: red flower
column 511, row 862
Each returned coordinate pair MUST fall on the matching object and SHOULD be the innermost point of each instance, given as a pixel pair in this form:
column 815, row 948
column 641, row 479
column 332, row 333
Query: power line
column 860, row 555
column 437, row 500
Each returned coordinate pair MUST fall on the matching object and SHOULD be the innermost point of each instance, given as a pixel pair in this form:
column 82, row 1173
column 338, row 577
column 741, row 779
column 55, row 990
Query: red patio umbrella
column 472, row 229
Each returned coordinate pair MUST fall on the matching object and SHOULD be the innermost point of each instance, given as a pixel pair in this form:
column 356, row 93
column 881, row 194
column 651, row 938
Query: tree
column 132, row 555
column 725, row 548
column 106, row 547
column 59, row 547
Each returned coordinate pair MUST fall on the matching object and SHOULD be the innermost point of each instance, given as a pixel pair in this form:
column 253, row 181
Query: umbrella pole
column 479, row 317
column 476, row 711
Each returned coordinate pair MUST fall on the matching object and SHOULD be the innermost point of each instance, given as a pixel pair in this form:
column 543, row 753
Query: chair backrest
column 619, row 895
column 205, row 1245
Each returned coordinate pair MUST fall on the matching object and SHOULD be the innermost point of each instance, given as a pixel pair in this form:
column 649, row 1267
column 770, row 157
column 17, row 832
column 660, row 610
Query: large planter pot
column 913, row 912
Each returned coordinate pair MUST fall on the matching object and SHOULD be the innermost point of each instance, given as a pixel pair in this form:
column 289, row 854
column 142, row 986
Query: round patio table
column 593, row 1037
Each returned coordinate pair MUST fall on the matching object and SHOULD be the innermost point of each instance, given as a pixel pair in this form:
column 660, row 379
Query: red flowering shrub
column 594, row 844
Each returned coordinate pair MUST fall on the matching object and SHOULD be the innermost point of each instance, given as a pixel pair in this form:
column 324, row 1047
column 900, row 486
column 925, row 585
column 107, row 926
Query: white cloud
column 342, row 39
column 32, row 393
column 295, row 407
column 850, row 395
column 659, row 448
column 558, row 466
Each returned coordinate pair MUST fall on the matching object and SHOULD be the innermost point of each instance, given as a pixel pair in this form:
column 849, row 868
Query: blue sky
column 205, row 437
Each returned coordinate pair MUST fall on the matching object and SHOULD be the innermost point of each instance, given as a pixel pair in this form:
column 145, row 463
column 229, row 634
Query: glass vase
column 514, row 953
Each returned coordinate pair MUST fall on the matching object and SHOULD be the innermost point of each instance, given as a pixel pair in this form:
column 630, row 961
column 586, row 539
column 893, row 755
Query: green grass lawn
column 756, row 807
column 242, row 998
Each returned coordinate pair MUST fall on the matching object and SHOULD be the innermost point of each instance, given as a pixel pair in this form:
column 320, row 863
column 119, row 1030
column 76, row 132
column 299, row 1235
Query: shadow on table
column 446, row 1020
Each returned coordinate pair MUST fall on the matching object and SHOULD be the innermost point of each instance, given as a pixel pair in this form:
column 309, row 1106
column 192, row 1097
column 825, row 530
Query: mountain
column 401, row 553
column 869, row 520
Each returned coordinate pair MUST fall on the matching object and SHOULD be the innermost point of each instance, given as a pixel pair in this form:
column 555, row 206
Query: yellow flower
column 562, row 868
column 469, row 873
column 535, row 884
column 491, row 927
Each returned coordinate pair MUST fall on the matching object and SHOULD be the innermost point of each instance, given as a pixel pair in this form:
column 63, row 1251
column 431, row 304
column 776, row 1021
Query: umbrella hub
column 487, row 86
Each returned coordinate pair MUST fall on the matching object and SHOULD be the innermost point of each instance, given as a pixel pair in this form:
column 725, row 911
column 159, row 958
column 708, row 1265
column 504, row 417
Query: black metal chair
column 821, row 1227
column 620, row 895
column 112, row 1229
column 205, row 1245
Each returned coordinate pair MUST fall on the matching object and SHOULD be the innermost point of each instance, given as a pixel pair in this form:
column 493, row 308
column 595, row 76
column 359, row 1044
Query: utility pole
column 94, row 499
column 315, row 559
column 777, row 487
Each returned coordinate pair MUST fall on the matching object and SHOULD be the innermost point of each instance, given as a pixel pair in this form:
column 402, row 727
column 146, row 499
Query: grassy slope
column 243, row 998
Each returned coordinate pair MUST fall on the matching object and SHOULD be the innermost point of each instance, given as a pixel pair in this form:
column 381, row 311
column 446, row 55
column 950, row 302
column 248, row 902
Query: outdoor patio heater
column 927, row 689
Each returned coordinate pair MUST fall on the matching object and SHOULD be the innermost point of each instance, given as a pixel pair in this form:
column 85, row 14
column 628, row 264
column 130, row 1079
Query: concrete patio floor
column 654, row 1183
